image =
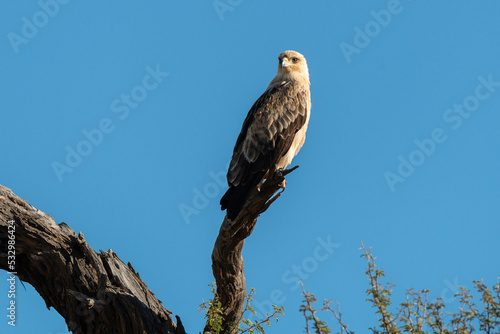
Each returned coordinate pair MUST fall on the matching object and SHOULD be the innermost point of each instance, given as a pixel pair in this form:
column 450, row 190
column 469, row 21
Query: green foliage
column 213, row 312
column 309, row 313
column 416, row 314
column 214, row 315
column 252, row 327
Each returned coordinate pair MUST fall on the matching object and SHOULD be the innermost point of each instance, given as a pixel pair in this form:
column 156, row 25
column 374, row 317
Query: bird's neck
column 291, row 76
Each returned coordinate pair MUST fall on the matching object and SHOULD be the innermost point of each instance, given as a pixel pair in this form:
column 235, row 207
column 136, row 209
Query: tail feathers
column 233, row 200
column 236, row 196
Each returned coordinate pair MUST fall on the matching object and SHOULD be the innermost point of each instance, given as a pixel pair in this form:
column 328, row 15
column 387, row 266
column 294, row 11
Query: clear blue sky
column 402, row 150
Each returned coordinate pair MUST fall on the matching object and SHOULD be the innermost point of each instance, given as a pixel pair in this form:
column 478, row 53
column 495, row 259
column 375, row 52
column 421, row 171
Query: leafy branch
column 416, row 314
column 214, row 314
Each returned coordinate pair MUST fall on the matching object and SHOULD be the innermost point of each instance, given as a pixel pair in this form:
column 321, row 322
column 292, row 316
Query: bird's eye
column 295, row 60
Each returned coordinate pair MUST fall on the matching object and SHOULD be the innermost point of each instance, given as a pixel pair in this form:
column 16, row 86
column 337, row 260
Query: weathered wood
column 227, row 261
column 94, row 292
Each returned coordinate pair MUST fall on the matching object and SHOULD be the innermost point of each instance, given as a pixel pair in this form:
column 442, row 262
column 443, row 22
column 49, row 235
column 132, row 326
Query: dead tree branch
column 227, row 261
column 94, row 292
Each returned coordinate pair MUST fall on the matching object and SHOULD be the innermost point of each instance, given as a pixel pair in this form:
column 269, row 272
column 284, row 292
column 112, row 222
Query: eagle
column 273, row 131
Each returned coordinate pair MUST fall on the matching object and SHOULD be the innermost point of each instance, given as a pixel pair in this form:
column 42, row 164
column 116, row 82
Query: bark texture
column 227, row 261
column 94, row 292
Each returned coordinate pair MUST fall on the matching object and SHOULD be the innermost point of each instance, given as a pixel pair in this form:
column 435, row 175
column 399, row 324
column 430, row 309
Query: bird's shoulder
column 278, row 113
column 282, row 99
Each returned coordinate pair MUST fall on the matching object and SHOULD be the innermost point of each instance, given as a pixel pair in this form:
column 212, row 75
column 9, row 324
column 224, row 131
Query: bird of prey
column 272, row 133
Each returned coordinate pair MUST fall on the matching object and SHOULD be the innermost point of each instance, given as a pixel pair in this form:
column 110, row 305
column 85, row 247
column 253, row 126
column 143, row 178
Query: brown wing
column 268, row 131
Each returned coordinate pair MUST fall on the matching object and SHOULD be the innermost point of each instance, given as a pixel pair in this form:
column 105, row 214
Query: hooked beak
column 285, row 62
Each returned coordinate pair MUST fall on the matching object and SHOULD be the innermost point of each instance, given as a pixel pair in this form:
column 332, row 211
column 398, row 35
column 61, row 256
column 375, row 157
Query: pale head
column 293, row 65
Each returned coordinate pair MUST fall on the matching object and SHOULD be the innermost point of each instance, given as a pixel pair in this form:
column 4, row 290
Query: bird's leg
column 282, row 173
column 279, row 173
